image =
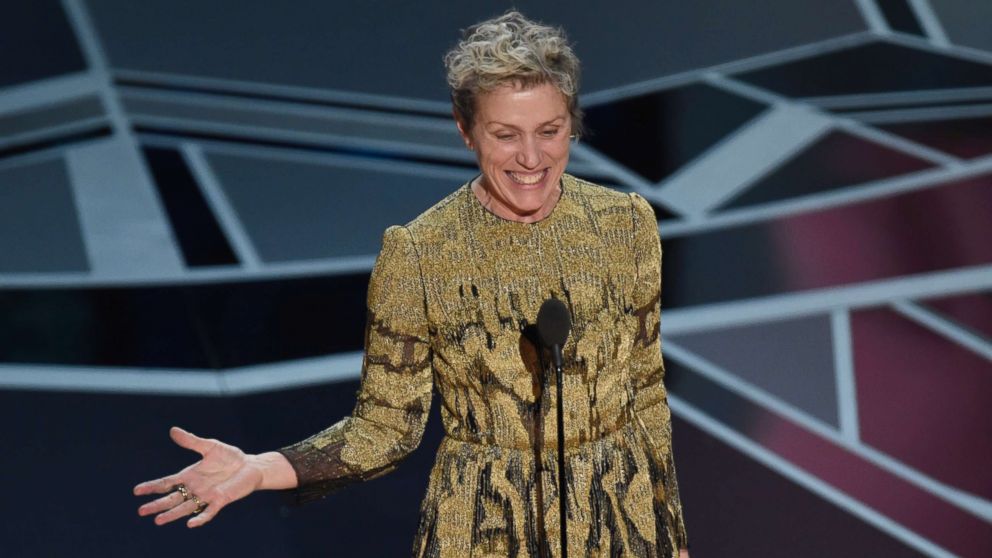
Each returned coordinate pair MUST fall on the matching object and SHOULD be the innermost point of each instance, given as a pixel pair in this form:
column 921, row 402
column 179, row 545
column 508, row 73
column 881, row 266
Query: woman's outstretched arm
column 395, row 394
column 387, row 423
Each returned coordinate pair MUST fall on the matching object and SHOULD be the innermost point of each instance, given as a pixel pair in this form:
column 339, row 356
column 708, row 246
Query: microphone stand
column 553, row 324
column 557, row 360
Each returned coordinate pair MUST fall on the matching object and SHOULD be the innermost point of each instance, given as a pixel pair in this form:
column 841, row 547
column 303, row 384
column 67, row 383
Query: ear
column 463, row 131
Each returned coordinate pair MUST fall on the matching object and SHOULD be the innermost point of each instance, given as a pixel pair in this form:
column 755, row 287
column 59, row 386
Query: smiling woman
column 452, row 304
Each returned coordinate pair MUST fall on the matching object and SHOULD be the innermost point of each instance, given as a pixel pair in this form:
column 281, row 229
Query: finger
column 203, row 517
column 217, row 498
column 169, row 501
column 189, row 440
column 182, row 510
column 157, row 486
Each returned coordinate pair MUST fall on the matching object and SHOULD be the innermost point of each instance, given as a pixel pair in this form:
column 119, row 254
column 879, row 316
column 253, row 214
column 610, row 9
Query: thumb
column 188, row 440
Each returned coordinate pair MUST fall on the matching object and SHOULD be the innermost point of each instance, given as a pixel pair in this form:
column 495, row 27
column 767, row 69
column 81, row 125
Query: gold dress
column 451, row 305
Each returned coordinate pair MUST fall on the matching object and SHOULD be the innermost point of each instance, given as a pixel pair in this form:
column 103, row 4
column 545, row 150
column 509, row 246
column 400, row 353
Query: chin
column 530, row 202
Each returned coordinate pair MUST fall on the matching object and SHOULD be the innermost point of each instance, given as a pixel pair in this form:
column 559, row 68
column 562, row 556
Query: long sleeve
column 647, row 366
column 394, row 398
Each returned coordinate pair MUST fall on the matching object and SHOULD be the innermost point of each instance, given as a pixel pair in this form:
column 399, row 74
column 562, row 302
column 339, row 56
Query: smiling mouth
column 527, row 179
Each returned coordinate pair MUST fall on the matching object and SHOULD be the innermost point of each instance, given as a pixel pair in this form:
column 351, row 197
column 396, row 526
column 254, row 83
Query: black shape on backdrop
column 878, row 67
column 657, row 133
column 200, row 237
column 37, row 42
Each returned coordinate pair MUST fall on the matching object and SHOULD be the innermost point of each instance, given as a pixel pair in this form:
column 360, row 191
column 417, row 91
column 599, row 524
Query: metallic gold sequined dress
column 451, row 304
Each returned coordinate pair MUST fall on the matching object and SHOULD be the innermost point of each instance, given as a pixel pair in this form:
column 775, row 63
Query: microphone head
column 553, row 322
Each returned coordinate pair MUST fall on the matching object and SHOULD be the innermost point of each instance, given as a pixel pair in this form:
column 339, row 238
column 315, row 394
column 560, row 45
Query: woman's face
column 521, row 139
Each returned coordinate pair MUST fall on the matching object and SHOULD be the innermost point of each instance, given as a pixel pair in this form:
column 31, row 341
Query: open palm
column 223, row 475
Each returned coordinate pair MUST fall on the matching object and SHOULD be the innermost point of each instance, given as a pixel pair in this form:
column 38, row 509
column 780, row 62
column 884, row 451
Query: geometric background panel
column 207, row 326
column 838, row 466
column 39, row 34
column 803, row 376
column 873, row 68
column 967, row 138
column 885, row 237
column 299, row 211
column 53, row 115
column 974, row 310
column 246, row 41
column 39, row 228
column 900, row 17
column 637, row 131
column 966, row 22
column 194, row 225
column 923, row 399
column 741, row 484
column 835, row 161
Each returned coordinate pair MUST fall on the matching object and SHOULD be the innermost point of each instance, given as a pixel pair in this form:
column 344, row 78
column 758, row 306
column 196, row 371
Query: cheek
column 559, row 154
column 497, row 162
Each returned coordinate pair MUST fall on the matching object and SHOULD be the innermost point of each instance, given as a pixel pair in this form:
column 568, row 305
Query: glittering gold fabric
column 452, row 302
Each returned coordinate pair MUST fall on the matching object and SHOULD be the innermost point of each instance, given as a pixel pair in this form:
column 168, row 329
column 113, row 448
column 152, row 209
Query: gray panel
column 364, row 125
column 125, row 227
column 966, row 22
column 395, row 48
column 790, row 359
column 54, row 115
column 300, row 211
column 39, row 229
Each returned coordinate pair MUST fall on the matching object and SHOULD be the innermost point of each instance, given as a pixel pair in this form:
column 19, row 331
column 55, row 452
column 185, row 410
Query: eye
column 550, row 133
column 505, row 136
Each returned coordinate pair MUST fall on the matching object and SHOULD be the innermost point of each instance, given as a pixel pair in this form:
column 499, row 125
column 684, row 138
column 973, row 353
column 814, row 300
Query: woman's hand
column 223, row 475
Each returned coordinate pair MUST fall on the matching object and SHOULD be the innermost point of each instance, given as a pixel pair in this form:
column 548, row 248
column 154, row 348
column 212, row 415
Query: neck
column 492, row 205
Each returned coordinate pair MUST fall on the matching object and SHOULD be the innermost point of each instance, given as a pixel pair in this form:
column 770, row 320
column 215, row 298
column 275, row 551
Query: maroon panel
column 924, row 399
column 915, row 508
column 935, row 228
column 973, row 311
column 965, row 137
column 907, row 504
column 735, row 506
column 924, row 230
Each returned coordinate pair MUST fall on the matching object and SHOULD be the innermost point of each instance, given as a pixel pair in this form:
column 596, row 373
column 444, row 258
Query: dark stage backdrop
column 192, row 195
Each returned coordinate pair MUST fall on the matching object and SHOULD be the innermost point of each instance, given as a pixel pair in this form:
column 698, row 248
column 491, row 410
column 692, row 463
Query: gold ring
column 200, row 504
column 181, row 489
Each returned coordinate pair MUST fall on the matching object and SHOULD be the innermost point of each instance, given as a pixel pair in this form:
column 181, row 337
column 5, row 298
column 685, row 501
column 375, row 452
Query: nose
column 529, row 155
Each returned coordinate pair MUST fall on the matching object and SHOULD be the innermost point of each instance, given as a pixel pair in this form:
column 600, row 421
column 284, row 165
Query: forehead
column 521, row 106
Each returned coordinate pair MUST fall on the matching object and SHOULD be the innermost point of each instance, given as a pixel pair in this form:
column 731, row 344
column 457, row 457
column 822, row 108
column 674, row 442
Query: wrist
column 276, row 473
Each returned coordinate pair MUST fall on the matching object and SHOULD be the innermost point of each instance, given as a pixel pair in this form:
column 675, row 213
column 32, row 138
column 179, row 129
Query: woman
column 451, row 303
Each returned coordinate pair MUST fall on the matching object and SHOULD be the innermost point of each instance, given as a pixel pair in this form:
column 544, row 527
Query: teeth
column 527, row 178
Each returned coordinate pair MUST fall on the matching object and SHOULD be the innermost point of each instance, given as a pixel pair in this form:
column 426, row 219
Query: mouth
column 527, row 178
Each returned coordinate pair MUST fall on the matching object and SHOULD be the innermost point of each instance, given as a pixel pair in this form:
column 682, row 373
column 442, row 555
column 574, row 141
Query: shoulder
column 625, row 209
column 602, row 199
column 642, row 209
column 443, row 215
column 594, row 194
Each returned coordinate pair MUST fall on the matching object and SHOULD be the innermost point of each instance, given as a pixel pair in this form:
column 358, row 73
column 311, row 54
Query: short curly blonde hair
column 511, row 49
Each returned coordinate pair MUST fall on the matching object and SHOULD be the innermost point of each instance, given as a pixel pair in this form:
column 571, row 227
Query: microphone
column 553, row 325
